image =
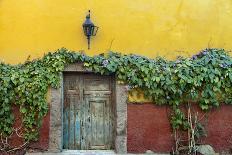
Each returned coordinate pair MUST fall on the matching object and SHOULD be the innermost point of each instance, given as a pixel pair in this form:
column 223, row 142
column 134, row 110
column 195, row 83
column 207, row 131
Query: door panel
column 96, row 84
column 71, row 119
column 87, row 112
column 98, row 123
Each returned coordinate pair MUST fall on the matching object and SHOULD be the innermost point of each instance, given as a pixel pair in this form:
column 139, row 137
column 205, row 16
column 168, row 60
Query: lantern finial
column 88, row 15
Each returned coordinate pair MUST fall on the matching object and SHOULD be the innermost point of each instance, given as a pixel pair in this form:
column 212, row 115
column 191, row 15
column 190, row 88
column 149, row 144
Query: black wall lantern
column 89, row 28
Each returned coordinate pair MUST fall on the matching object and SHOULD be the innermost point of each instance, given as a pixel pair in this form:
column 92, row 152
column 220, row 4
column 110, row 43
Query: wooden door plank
column 72, row 98
column 65, row 127
column 82, row 117
column 77, row 127
column 107, row 124
column 66, row 108
column 88, row 123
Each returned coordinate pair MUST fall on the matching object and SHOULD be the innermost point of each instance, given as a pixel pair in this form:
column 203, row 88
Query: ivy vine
column 205, row 78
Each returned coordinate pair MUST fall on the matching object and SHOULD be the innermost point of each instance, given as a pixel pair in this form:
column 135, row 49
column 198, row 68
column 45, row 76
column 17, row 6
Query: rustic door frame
column 56, row 114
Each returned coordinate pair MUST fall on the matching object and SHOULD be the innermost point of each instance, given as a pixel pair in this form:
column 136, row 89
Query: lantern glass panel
column 94, row 32
column 87, row 30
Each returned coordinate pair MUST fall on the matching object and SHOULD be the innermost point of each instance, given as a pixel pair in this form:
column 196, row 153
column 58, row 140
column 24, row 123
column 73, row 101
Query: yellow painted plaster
column 147, row 27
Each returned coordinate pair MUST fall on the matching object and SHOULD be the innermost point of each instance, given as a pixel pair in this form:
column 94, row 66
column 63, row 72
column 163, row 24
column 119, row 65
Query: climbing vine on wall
column 205, row 78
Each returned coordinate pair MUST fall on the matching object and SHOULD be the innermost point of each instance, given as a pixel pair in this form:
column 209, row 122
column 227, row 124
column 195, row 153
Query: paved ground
column 88, row 152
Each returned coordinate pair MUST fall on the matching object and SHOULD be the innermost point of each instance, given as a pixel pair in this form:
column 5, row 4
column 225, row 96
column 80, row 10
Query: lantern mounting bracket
column 89, row 28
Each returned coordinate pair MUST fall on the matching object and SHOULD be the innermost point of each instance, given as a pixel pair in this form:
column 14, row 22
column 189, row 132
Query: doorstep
column 85, row 152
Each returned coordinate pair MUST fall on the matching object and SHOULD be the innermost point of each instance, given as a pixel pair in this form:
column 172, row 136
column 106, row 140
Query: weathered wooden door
column 88, row 111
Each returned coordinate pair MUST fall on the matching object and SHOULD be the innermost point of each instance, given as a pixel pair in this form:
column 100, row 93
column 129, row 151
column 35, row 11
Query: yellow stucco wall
column 147, row 27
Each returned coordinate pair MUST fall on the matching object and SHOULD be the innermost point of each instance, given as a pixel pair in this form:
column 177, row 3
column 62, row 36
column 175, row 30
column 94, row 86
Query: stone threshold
column 86, row 152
